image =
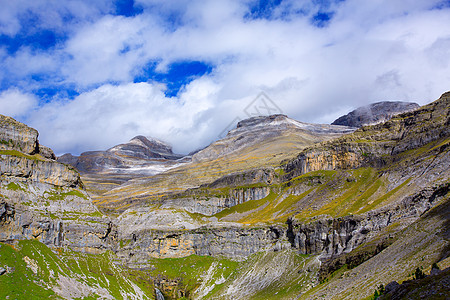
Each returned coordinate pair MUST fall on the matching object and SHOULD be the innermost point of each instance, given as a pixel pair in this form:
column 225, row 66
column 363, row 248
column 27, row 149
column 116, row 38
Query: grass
column 35, row 157
column 12, row 186
column 58, row 194
column 45, row 268
column 22, row 283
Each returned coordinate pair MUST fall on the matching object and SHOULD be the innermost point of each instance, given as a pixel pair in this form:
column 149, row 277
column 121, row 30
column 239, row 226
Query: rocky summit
column 374, row 113
column 277, row 209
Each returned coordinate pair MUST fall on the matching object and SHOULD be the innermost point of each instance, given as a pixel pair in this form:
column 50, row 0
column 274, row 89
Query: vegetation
column 35, row 157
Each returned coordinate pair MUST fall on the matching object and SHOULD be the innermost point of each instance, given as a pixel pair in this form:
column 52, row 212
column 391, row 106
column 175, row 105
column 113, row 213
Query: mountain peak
column 261, row 120
column 374, row 113
column 152, row 144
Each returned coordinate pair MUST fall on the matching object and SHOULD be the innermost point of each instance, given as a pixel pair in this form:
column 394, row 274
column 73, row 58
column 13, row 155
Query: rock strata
column 17, row 136
column 211, row 205
column 377, row 145
column 43, row 199
column 333, row 237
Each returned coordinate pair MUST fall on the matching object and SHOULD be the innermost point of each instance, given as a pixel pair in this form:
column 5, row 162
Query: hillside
column 255, row 143
column 278, row 209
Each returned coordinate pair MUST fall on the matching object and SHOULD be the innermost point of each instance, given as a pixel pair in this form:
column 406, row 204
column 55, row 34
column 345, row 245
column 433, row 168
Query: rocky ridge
column 378, row 145
column 408, row 157
column 374, row 113
column 141, row 154
column 258, row 130
column 256, row 143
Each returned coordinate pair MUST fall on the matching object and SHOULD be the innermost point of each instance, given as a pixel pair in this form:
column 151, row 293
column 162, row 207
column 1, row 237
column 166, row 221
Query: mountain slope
column 344, row 201
column 255, row 143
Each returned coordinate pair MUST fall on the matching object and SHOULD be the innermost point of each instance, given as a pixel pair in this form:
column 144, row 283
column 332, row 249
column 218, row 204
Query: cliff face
column 377, row 145
column 140, row 155
column 15, row 135
column 43, row 199
column 38, row 169
column 234, row 243
column 210, row 205
column 333, row 237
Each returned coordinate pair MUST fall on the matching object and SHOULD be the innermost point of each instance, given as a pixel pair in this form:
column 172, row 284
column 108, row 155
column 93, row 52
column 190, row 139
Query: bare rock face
column 374, row 113
column 144, row 148
column 333, row 237
column 378, row 144
column 17, row 136
column 211, row 205
column 43, row 199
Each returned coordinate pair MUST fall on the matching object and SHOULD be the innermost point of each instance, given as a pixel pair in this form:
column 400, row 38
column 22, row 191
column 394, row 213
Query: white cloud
column 14, row 103
column 110, row 115
column 54, row 14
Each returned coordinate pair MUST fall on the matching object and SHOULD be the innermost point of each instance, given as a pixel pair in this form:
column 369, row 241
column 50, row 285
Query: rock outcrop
column 230, row 242
column 333, row 237
column 378, row 145
column 43, row 199
column 374, row 113
column 17, row 136
column 210, row 205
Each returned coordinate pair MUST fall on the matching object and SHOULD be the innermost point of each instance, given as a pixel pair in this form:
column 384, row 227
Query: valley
column 277, row 209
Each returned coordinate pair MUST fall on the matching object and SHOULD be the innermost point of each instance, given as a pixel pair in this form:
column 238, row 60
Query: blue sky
column 92, row 74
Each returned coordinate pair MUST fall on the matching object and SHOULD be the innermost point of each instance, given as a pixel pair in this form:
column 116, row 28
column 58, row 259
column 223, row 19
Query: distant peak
column 374, row 113
column 261, row 119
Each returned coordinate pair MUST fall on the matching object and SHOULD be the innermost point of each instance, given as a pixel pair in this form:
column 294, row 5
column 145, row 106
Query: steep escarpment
column 140, row 154
column 380, row 144
column 260, row 130
column 15, row 135
column 43, row 199
column 333, row 237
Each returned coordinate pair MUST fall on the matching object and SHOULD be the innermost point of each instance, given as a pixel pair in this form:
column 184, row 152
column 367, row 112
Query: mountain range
column 277, row 209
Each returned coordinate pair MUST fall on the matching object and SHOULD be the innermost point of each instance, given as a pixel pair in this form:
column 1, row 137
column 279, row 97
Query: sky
column 89, row 75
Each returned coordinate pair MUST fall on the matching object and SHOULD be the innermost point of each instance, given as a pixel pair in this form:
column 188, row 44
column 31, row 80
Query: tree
column 418, row 274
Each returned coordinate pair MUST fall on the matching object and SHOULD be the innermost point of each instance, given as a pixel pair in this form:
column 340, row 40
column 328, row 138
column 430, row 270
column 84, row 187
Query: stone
column 391, row 286
column 374, row 113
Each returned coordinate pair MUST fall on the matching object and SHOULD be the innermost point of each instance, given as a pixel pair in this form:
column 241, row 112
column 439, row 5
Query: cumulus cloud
column 364, row 52
column 110, row 115
column 14, row 103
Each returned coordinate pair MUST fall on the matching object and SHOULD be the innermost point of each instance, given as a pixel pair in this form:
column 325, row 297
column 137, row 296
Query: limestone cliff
column 377, row 145
column 43, row 199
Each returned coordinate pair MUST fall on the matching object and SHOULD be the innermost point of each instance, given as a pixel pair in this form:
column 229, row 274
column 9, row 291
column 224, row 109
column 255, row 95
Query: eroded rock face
column 211, row 205
column 17, row 136
column 377, row 145
column 43, row 199
column 140, row 153
column 38, row 170
column 234, row 243
column 333, row 237
column 374, row 113
column 256, row 130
